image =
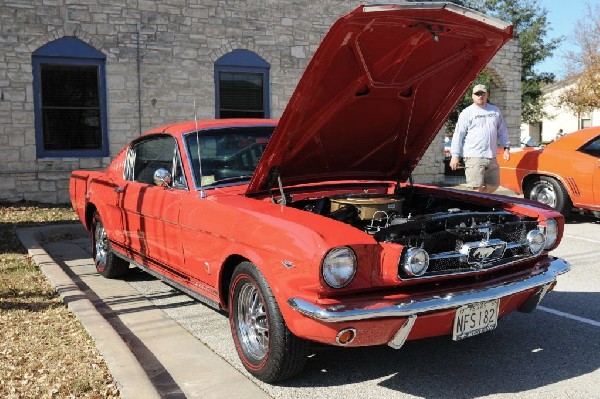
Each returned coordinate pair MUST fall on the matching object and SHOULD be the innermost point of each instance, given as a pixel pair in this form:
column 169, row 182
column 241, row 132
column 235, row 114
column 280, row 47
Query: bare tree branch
column 584, row 65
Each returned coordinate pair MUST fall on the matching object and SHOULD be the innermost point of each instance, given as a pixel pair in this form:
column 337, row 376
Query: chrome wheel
column 252, row 322
column 544, row 193
column 265, row 345
column 549, row 191
column 107, row 263
column 100, row 244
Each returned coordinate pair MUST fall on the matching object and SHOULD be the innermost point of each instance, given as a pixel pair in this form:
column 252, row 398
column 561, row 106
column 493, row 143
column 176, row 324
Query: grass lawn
column 44, row 350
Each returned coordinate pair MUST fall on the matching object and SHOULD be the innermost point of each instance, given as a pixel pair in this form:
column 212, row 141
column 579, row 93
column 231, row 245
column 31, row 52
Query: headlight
column 415, row 262
column 550, row 229
column 339, row 267
column 537, row 241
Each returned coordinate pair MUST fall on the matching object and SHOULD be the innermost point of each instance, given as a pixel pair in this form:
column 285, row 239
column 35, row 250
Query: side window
column 179, row 181
column 69, row 100
column 242, row 86
column 592, row 148
column 145, row 157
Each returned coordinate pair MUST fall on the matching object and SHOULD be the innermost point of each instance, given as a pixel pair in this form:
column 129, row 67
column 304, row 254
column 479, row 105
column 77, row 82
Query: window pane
column 153, row 154
column 592, row 148
column 69, row 85
column 241, row 95
column 585, row 123
column 71, row 129
column 71, row 117
column 227, row 153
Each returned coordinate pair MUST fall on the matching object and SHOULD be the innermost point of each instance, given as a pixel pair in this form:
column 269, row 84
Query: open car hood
column 377, row 91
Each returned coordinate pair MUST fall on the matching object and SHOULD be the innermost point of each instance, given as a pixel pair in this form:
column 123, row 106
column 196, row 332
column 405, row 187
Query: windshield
column 228, row 154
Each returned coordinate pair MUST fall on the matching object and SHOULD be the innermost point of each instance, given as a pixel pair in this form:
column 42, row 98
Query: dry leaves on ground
column 44, row 350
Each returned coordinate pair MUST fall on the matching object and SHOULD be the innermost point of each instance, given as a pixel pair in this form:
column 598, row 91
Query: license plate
column 475, row 318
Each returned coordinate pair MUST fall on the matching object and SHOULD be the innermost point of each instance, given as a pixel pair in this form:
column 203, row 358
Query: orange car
column 563, row 174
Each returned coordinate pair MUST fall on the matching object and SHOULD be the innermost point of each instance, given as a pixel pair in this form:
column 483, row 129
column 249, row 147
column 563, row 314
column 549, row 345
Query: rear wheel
column 550, row 191
column 107, row 263
column 267, row 348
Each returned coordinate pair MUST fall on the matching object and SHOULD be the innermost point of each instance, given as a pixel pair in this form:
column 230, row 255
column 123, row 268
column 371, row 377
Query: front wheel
column 550, row 191
column 107, row 263
column 267, row 348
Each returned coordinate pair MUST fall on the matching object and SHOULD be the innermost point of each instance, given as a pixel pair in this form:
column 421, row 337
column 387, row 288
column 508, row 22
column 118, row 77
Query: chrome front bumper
column 370, row 310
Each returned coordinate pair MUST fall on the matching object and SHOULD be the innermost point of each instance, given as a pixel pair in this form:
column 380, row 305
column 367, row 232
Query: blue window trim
column 243, row 61
column 69, row 51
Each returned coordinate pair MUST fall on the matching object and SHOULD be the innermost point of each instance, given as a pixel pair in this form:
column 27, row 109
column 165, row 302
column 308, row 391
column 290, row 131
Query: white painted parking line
column 580, row 238
column 570, row 316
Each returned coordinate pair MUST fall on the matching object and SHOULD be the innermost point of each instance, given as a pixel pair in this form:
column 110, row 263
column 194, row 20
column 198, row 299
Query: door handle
column 119, row 190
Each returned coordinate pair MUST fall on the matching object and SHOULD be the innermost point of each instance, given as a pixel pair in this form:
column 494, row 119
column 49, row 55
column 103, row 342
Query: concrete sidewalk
column 148, row 354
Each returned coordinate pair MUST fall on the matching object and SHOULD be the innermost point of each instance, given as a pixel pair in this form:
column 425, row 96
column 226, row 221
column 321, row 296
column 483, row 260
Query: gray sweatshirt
column 479, row 131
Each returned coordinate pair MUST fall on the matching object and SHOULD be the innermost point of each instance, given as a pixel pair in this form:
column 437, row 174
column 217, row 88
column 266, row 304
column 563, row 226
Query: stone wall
column 178, row 42
column 505, row 92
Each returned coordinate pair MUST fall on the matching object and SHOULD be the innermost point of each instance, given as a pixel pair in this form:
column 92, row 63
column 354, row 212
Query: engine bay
column 442, row 226
column 395, row 217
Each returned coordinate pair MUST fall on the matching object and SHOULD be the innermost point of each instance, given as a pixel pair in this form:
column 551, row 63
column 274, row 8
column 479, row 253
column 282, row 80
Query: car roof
column 572, row 141
column 181, row 128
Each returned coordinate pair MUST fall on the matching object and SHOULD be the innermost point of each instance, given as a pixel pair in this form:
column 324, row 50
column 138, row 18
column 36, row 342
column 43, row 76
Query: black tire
column 267, row 348
column 107, row 263
column 549, row 191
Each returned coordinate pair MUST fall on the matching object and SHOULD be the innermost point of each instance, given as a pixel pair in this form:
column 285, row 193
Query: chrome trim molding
column 399, row 338
column 449, row 255
column 205, row 299
column 369, row 310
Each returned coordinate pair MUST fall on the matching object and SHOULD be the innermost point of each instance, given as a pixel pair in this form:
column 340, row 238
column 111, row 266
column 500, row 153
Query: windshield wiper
column 232, row 179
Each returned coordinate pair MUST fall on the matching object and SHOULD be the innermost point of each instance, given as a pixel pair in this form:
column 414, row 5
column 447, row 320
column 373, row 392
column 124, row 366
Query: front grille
column 446, row 257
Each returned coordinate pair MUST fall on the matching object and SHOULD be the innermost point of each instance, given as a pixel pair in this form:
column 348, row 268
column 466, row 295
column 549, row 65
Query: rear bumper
column 408, row 308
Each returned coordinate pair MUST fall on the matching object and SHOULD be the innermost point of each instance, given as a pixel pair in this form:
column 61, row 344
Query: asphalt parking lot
column 553, row 352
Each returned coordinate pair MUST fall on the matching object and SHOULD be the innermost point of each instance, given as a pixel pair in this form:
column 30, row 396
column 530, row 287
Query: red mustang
column 307, row 230
column 563, row 174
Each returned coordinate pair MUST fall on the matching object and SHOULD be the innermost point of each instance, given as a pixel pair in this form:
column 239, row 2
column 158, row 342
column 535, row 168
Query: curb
column 130, row 378
column 148, row 353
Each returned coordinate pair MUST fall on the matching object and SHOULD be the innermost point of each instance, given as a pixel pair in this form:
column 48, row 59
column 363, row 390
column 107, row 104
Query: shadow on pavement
column 580, row 218
column 511, row 359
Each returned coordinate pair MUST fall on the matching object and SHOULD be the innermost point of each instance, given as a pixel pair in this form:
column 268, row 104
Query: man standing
column 479, row 130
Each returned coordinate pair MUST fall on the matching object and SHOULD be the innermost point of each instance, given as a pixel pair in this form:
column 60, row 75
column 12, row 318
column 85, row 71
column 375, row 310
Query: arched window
column 69, row 88
column 242, row 86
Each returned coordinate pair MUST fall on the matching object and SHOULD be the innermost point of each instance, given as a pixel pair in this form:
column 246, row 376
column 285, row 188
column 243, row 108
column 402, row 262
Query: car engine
column 457, row 235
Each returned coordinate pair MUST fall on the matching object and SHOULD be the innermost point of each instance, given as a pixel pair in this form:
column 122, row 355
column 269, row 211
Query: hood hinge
column 273, row 176
column 408, row 171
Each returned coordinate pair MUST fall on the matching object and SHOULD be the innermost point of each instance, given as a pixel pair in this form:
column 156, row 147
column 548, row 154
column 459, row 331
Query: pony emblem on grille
column 480, row 252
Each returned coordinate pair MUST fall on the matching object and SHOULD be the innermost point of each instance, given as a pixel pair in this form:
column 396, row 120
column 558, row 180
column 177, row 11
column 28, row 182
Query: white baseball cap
column 478, row 88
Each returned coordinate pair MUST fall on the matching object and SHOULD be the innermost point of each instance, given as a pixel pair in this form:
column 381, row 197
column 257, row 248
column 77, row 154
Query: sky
column 562, row 17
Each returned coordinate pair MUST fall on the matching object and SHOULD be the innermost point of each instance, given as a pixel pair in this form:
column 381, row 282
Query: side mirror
column 162, row 177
